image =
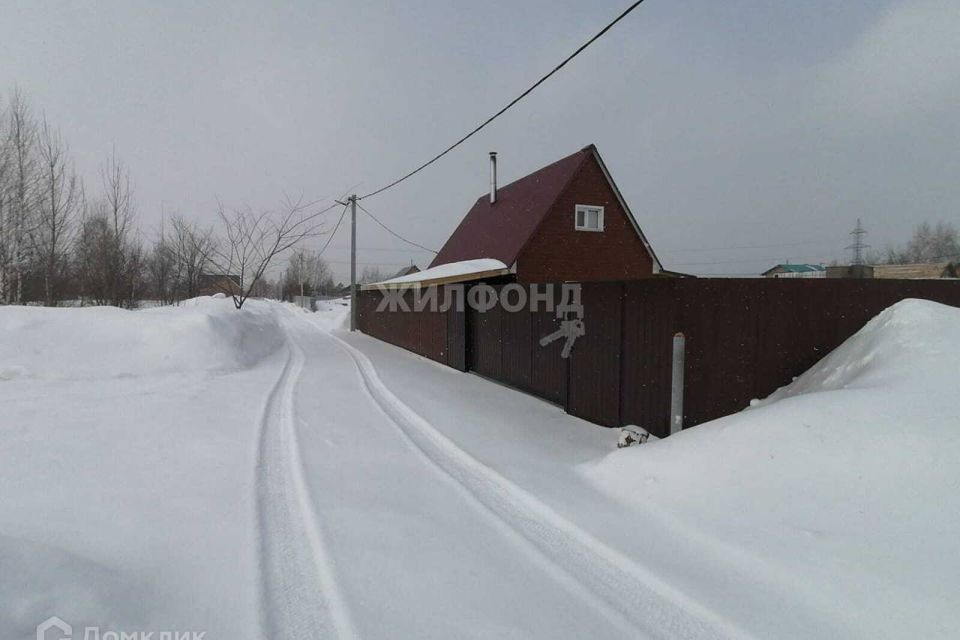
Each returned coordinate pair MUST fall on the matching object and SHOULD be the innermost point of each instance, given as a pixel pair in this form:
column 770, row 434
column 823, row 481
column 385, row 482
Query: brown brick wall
column 558, row 252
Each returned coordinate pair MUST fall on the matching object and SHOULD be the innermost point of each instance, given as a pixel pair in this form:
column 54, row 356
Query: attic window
column 588, row 218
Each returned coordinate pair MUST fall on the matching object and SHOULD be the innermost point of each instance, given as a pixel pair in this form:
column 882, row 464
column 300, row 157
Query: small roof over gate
column 450, row 273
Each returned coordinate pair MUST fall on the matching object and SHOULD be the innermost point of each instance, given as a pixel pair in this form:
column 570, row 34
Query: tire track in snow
column 299, row 597
column 654, row 607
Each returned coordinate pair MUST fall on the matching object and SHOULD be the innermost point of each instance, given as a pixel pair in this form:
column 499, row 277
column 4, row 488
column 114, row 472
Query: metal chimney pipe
column 493, row 177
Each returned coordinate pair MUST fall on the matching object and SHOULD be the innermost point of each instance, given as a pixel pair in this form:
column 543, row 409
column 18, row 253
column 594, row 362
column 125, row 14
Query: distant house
column 565, row 222
column 923, row 271
column 406, row 271
column 796, row 271
column 209, row 284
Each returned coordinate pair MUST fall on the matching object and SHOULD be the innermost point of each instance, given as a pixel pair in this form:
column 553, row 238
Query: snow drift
column 203, row 334
column 844, row 485
column 39, row 579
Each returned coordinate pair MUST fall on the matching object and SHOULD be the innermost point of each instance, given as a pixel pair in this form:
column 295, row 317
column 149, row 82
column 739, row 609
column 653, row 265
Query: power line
column 369, row 264
column 747, row 261
column 394, row 233
column 820, row 259
column 372, row 264
column 382, row 249
column 753, row 246
column 334, row 232
column 510, row 104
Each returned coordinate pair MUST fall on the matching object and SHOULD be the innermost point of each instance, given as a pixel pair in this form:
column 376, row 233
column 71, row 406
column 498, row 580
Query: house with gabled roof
column 565, row 222
column 406, row 271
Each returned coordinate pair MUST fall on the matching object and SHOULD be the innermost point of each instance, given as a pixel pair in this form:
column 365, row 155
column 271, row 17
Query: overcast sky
column 742, row 133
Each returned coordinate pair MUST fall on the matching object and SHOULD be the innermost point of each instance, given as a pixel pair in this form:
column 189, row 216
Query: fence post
column 676, row 385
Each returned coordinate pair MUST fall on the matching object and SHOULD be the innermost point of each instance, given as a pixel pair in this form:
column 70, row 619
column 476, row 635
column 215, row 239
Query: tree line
column 61, row 239
column 929, row 243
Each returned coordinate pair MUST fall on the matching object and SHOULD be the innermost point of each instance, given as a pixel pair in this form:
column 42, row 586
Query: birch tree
column 123, row 255
column 20, row 200
column 58, row 200
column 5, row 203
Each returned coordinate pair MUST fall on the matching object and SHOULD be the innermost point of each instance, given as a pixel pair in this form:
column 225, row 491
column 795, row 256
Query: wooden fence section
column 744, row 339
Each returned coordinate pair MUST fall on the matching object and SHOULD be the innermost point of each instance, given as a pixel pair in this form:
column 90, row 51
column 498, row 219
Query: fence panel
column 594, row 390
column 649, row 321
column 720, row 325
column 484, row 340
column 548, row 371
column 517, row 346
column 432, row 335
column 457, row 338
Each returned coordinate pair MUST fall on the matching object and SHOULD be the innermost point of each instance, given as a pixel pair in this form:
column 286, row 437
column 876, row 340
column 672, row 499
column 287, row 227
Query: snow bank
column 40, row 579
column 332, row 314
column 203, row 334
column 844, row 485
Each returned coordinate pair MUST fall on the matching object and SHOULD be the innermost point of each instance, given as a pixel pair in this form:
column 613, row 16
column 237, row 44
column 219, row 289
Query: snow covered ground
column 265, row 474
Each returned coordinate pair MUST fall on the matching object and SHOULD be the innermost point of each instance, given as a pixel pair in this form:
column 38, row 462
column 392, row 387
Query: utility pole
column 301, row 276
column 353, row 263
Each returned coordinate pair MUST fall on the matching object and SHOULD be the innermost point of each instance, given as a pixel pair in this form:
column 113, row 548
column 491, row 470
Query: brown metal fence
column 437, row 335
column 744, row 339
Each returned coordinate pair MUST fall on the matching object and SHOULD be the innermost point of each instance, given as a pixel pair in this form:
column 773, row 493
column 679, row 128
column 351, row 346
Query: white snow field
column 266, row 474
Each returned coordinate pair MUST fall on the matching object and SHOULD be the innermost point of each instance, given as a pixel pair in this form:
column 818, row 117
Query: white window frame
column 583, row 208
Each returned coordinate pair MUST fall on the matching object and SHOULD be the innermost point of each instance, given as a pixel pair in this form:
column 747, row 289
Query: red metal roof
column 501, row 230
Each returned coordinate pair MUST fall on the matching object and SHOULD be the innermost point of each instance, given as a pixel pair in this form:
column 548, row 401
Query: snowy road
column 382, row 543
column 267, row 475
column 300, row 596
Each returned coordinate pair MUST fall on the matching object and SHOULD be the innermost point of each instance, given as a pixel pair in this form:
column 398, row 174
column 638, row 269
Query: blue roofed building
column 796, row 271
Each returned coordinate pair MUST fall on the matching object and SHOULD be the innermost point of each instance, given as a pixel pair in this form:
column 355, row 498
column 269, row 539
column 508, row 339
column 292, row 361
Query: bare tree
column 929, row 243
column 160, row 267
column 58, row 201
column 307, row 273
column 92, row 255
column 321, row 276
column 371, row 274
column 20, row 200
column 124, row 253
column 192, row 248
column 109, row 256
column 252, row 241
column 5, row 203
column 266, row 288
